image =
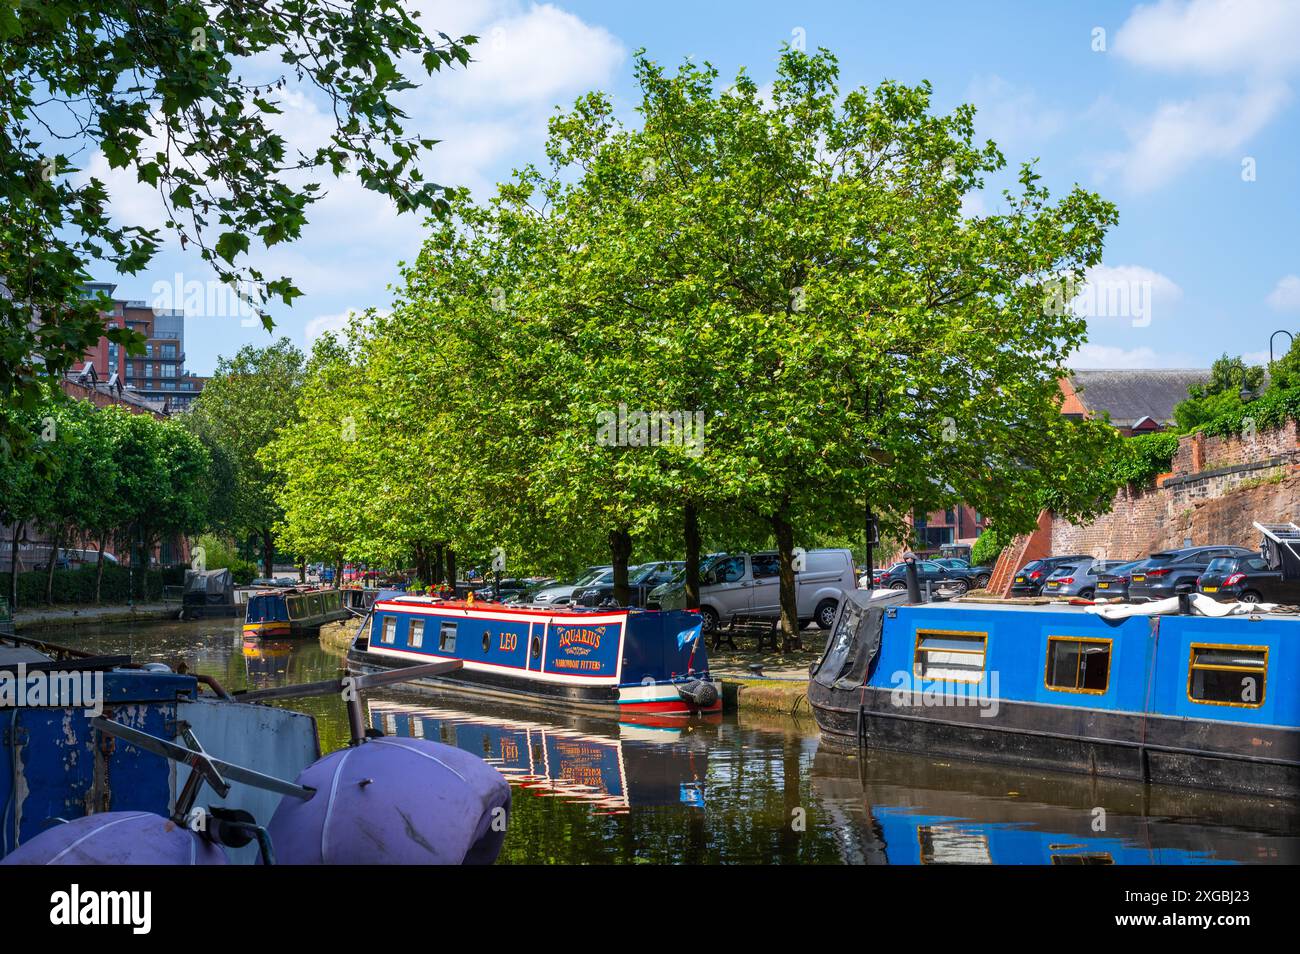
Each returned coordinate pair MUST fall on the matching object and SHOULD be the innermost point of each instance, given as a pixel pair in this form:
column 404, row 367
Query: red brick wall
column 1195, row 503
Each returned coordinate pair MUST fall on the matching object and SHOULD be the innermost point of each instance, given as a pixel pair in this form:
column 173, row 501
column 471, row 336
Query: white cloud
column 1180, row 133
column 1256, row 43
column 1010, row 115
column 1286, row 294
column 1128, row 292
column 335, row 323
column 538, row 56
column 1109, row 356
column 1213, row 36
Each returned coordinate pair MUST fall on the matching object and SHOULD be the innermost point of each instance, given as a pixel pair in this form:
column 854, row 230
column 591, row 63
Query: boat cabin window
column 416, row 638
column 1228, row 675
column 389, row 634
column 949, row 656
column 447, row 637
column 1078, row 665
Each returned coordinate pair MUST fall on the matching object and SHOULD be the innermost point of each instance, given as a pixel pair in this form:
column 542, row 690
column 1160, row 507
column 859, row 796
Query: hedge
column 78, row 586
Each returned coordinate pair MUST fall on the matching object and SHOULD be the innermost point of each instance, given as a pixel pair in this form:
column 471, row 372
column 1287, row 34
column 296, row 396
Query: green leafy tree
column 249, row 400
column 868, row 340
column 162, row 90
column 1232, row 384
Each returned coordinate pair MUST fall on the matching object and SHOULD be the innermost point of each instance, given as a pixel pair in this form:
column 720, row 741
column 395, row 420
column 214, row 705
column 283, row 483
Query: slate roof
column 1130, row 394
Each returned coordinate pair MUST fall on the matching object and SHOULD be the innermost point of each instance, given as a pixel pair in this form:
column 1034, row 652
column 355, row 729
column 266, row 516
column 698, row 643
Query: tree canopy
column 791, row 280
column 161, row 89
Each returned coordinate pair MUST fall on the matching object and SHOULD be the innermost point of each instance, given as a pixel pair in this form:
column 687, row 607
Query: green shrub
column 1144, row 458
column 988, row 547
column 78, row 586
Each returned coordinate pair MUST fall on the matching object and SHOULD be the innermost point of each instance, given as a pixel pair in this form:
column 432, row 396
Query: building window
column 1078, row 665
column 416, row 639
column 447, row 637
column 949, row 656
column 1228, row 675
column 389, row 635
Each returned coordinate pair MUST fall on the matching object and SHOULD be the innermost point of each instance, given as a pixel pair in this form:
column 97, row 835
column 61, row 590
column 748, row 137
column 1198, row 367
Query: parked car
column 561, row 594
column 640, row 580
column 1113, row 583
column 1161, row 574
column 933, row 572
column 1247, row 579
column 745, row 584
column 509, row 587
column 1078, row 579
column 1029, row 579
column 979, row 575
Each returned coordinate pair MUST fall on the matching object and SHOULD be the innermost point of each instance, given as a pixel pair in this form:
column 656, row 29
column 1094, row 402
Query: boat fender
column 699, row 692
column 118, row 838
column 394, row 800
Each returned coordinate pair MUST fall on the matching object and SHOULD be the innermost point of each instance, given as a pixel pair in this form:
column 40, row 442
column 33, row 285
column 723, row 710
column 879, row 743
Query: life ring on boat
column 699, row 693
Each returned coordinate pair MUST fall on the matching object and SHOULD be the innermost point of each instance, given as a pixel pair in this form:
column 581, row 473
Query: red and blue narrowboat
column 625, row 660
column 293, row 612
column 1172, row 692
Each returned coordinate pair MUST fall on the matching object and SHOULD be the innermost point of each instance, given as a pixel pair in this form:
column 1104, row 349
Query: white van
column 749, row 584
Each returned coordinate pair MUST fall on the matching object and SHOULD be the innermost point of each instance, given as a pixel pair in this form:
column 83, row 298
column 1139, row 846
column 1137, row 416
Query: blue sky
column 1182, row 113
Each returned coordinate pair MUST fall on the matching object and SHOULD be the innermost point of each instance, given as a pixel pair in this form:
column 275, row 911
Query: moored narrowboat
column 1156, row 695
column 625, row 660
column 277, row 613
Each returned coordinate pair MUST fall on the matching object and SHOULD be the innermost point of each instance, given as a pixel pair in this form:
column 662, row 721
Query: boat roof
column 434, row 602
column 1076, row 608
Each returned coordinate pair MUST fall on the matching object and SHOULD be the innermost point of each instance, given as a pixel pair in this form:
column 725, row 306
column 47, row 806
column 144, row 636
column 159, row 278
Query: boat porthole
column 535, row 647
column 487, row 640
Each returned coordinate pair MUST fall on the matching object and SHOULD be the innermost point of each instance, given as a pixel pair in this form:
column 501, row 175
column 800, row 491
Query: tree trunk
column 302, row 571
column 438, row 576
column 13, row 567
column 620, row 549
column 789, row 598
column 99, row 571
column 692, row 534
column 49, row 567
column 338, row 572
column 451, row 568
column 268, row 553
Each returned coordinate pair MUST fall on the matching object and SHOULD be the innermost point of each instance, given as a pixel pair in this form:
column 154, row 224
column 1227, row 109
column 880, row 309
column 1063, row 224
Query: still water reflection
column 742, row 788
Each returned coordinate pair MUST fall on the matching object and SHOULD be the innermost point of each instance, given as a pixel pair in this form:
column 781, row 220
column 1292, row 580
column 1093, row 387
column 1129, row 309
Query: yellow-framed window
column 950, row 655
column 390, row 630
column 416, row 637
column 1078, row 664
column 1227, row 675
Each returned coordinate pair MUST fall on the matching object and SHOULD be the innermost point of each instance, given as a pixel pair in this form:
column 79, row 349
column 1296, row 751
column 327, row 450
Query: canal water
column 741, row 788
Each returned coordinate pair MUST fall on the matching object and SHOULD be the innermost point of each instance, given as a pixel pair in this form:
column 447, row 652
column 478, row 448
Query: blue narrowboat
column 1168, row 697
column 626, row 660
column 274, row 613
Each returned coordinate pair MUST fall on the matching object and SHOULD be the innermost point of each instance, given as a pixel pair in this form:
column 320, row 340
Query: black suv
column 1160, row 574
column 933, row 572
column 1247, row 579
column 1029, row 579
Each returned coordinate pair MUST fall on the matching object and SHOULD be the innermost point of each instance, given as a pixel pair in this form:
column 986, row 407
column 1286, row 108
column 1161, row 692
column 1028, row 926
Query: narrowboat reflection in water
column 266, row 661
column 900, row 809
column 608, row 765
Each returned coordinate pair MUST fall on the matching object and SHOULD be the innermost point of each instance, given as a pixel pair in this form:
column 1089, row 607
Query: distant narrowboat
column 1176, row 698
column 292, row 612
column 623, row 660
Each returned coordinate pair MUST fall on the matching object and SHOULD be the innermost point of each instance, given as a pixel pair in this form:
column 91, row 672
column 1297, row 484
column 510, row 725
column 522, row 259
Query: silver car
column 1078, row 578
column 744, row 584
column 563, row 594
